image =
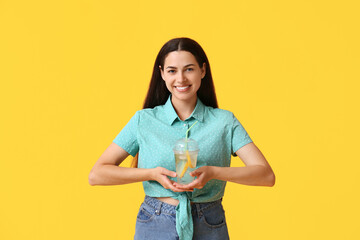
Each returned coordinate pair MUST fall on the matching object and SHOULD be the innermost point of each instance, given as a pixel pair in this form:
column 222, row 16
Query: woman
column 181, row 96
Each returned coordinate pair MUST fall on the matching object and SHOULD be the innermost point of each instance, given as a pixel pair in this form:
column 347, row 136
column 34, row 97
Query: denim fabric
column 157, row 220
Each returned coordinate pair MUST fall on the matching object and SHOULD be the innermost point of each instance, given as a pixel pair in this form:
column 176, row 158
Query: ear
column 203, row 71
column 162, row 73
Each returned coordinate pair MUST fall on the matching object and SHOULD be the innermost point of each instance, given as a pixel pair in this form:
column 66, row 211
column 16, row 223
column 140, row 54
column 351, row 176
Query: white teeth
column 182, row 88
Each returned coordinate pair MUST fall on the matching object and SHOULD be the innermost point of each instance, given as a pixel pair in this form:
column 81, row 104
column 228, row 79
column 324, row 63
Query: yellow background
column 74, row 72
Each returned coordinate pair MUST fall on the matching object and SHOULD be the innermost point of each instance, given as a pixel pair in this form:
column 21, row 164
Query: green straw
column 187, row 135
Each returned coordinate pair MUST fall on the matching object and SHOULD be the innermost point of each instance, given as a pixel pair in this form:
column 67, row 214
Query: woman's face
column 182, row 75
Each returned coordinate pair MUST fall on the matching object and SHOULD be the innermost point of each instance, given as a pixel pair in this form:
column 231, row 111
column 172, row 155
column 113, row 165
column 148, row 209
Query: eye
column 171, row 71
column 191, row 69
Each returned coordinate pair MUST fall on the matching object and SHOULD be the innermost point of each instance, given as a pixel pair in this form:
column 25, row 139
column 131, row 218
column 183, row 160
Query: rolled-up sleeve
column 127, row 138
column 239, row 136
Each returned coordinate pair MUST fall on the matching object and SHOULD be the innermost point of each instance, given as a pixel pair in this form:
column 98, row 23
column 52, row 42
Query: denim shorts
column 157, row 220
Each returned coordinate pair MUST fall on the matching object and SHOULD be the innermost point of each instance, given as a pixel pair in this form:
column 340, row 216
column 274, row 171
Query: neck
column 184, row 108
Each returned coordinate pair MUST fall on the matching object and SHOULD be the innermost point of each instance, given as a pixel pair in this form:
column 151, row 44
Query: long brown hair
column 158, row 92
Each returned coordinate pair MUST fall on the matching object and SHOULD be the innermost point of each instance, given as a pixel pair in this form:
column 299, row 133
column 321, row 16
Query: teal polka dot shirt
column 152, row 132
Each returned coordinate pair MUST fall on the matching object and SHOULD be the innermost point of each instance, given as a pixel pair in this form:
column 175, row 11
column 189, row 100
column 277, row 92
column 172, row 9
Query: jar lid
column 180, row 145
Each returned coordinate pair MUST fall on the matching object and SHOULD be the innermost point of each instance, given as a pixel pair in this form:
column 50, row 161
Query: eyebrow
column 191, row 64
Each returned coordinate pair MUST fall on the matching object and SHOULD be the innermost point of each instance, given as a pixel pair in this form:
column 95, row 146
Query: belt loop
column 157, row 211
column 198, row 210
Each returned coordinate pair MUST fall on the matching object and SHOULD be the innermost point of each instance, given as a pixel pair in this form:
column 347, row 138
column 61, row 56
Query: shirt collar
column 171, row 114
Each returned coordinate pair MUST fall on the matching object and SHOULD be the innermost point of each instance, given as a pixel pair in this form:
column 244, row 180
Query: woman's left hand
column 203, row 174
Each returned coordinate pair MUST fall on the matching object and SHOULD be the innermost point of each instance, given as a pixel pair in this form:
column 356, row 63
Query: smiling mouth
column 182, row 88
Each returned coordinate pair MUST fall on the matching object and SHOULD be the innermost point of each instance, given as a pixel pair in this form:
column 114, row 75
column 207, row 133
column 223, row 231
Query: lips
column 182, row 88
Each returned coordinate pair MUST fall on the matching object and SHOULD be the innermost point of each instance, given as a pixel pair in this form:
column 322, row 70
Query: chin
column 184, row 97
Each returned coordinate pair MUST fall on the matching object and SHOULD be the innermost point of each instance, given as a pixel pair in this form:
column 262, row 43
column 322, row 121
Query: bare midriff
column 169, row 200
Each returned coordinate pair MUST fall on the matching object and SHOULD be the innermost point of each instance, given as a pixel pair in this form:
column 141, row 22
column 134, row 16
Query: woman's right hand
column 160, row 174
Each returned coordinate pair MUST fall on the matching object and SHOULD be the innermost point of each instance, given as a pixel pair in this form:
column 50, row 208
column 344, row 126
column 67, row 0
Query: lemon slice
column 184, row 170
column 189, row 159
column 188, row 164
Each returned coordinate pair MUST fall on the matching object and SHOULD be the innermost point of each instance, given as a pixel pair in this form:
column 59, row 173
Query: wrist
column 215, row 172
column 151, row 174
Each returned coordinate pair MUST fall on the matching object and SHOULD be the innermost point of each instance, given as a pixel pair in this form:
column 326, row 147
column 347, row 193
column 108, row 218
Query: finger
column 175, row 189
column 169, row 184
column 195, row 173
column 172, row 182
column 179, row 186
column 191, row 185
column 168, row 172
column 186, row 188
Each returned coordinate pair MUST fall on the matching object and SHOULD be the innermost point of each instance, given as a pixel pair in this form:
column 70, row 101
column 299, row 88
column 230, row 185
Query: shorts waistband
column 159, row 205
column 170, row 209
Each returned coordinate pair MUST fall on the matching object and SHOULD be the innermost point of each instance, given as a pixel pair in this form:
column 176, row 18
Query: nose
column 181, row 77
